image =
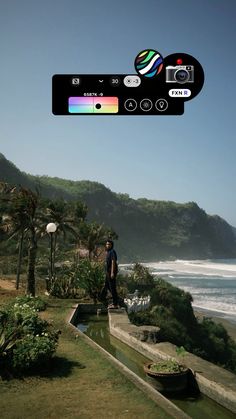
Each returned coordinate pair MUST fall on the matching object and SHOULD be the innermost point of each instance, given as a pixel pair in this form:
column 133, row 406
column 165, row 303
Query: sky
column 175, row 158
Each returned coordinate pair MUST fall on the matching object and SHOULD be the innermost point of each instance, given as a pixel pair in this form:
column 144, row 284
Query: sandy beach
column 229, row 325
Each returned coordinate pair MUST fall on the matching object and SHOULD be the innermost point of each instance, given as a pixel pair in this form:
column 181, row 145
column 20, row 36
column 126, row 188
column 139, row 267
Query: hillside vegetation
column 148, row 230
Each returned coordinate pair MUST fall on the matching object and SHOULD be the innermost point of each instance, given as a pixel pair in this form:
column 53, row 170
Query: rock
column 147, row 333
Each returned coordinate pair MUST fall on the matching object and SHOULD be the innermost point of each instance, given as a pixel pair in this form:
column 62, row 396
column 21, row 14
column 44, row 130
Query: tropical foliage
column 65, row 284
column 171, row 310
column 36, row 303
column 148, row 230
column 23, row 218
column 93, row 235
column 26, row 341
column 83, row 279
column 91, row 278
column 140, row 279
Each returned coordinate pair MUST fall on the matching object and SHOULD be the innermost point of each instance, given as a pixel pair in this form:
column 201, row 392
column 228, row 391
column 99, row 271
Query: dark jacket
column 111, row 255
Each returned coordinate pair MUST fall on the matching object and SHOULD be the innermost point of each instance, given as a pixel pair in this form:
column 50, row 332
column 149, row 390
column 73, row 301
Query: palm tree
column 34, row 230
column 14, row 219
column 22, row 218
column 80, row 211
column 93, row 235
column 61, row 213
column 17, row 226
column 67, row 216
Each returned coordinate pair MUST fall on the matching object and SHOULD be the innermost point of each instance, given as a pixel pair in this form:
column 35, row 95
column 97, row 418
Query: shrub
column 87, row 276
column 36, row 303
column 171, row 330
column 33, row 351
column 171, row 310
column 91, row 278
column 177, row 300
column 65, row 284
column 24, row 316
column 7, row 341
column 219, row 347
column 140, row 279
column 25, row 339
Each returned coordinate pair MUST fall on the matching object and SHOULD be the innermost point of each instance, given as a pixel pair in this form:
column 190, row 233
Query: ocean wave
column 216, row 309
column 211, row 283
column 198, row 276
column 222, row 303
column 195, row 268
column 210, row 291
column 209, row 263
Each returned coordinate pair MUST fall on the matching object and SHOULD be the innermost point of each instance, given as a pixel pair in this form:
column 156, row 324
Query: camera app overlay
column 180, row 79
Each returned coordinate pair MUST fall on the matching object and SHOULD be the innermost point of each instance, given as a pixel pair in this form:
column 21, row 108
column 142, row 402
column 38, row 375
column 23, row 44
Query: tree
column 14, row 219
column 92, row 235
column 16, row 224
column 23, row 218
column 59, row 212
column 68, row 218
column 80, row 214
column 141, row 279
column 34, row 229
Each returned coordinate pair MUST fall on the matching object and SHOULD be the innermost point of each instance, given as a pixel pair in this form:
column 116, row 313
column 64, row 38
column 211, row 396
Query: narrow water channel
column 96, row 327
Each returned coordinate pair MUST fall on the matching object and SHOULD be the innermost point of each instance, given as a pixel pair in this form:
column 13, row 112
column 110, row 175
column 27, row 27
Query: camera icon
column 180, row 74
column 75, row 81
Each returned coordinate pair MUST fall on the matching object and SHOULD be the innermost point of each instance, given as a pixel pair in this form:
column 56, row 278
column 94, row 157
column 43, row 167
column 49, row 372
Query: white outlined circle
column 161, row 105
column 133, row 102
column 148, row 104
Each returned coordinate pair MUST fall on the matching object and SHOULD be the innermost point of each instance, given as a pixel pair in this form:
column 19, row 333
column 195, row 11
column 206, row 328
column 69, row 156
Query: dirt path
column 7, row 284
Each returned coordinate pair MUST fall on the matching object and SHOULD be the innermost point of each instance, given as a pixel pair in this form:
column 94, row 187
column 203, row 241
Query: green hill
column 148, row 230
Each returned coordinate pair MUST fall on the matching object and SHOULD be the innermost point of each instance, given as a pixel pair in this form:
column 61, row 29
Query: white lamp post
column 51, row 228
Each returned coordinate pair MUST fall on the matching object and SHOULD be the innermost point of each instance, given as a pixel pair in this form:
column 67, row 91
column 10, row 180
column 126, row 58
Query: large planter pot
column 167, row 382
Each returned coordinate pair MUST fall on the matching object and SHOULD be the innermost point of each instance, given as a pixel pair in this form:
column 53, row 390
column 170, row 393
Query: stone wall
column 213, row 381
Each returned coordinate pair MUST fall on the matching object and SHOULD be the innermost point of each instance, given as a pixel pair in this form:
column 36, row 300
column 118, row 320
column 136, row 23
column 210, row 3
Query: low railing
column 135, row 303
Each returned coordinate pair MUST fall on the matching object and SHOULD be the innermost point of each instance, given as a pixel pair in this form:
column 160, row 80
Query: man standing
column 111, row 272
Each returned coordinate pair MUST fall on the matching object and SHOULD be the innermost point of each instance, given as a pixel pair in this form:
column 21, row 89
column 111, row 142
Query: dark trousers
column 110, row 285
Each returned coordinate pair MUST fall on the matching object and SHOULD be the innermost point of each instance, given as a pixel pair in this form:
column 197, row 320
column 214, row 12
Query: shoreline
column 228, row 323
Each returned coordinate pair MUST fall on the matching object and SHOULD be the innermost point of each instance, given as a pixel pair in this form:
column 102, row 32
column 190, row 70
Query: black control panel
column 180, row 80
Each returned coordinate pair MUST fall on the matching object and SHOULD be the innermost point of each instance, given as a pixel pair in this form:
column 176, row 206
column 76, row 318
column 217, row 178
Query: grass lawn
column 81, row 383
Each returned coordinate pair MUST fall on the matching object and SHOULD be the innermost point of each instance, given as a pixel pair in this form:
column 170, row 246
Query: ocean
column 212, row 283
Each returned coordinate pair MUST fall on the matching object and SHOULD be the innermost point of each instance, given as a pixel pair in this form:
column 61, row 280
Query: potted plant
column 167, row 376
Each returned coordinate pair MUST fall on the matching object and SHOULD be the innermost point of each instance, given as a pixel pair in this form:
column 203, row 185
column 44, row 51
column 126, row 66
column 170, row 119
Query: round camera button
column 161, row 105
column 130, row 105
column 146, row 105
